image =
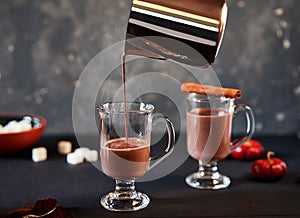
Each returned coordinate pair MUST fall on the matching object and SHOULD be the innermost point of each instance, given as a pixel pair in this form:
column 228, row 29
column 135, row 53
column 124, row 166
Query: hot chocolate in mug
column 209, row 129
column 125, row 139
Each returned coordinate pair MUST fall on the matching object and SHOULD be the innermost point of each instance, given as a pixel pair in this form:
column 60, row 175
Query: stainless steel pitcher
column 154, row 25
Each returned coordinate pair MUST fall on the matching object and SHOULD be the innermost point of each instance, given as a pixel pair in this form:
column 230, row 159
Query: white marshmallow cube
column 82, row 150
column 25, row 125
column 39, row 154
column 91, row 156
column 74, row 158
column 12, row 126
column 15, row 126
column 64, row 147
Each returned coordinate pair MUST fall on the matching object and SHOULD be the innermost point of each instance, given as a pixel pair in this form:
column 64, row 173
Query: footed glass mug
column 125, row 151
column 209, row 127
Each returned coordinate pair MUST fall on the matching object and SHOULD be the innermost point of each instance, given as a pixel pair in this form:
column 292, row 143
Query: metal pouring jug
column 153, row 24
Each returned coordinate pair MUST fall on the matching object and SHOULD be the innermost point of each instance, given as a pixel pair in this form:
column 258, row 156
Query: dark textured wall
column 45, row 45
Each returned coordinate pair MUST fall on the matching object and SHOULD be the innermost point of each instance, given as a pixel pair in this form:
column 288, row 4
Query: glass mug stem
column 210, row 168
column 125, row 189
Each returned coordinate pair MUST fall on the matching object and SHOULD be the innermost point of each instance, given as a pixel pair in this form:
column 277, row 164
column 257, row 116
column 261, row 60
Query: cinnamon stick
column 211, row 90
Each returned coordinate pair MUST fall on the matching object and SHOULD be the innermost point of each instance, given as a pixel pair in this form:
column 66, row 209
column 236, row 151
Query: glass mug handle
column 171, row 138
column 250, row 126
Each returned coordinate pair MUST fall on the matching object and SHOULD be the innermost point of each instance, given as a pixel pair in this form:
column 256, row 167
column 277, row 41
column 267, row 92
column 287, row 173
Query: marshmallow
column 81, row 154
column 64, row 147
column 91, row 156
column 74, row 158
column 12, row 126
column 82, row 150
column 15, row 126
column 25, row 125
column 39, row 154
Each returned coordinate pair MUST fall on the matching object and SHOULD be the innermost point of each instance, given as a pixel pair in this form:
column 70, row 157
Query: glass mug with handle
column 209, row 129
column 125, row 151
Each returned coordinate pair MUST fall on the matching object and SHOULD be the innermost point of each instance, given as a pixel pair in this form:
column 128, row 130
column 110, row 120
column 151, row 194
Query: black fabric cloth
column 78, row 188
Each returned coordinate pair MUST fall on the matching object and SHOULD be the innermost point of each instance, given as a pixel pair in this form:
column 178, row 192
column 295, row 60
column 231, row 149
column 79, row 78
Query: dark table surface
column 78, row 188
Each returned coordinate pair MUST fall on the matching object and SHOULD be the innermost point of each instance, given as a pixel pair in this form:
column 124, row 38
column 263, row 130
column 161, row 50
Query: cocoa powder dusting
column 41, row 207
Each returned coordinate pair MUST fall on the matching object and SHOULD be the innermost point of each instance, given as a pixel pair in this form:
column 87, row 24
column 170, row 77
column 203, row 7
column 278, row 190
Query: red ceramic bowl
column 17, row 141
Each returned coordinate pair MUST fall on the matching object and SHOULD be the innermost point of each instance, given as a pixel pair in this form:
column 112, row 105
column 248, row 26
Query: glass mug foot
column 114, row 202
column 208, row 177
column 208, row 181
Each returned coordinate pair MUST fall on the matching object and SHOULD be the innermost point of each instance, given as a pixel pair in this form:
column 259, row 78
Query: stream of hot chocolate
column 124, row 98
